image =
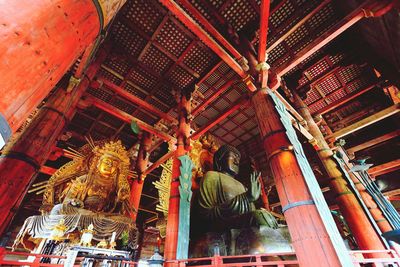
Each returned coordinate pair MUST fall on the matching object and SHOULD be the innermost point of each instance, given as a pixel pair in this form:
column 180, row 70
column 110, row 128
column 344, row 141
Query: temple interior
column 192, row 132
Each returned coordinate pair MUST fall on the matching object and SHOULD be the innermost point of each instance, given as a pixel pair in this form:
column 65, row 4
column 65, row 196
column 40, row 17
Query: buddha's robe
column 223, row 201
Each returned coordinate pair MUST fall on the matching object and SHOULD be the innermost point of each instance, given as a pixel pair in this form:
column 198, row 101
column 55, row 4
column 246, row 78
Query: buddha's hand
column 255, row 187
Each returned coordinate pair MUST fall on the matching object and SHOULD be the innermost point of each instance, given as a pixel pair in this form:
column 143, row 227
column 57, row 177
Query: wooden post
column 38, row 44
column 20, row 165
column 182, row 146
column 141, row 166
column 310, row 238
column 364, row 233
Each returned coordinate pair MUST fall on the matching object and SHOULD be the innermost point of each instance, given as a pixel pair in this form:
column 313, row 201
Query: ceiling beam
column 324, row 39
column 208, row 126
column 134, row 99
column 344, row 100
column 158, row 162
column 365, row 122
column 262, row 45
column 127, row 117
column 385, row 168
column 374, row 142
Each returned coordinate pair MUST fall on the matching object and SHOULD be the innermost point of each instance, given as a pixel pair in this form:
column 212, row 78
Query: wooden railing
column 360, row 258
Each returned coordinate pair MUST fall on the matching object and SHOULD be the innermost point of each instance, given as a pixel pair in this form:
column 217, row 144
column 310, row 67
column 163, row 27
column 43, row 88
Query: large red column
column 310, row 239
column 39, row 42
column 21, row 163
column 141, row 166
column 182, row 146
column 361, row 228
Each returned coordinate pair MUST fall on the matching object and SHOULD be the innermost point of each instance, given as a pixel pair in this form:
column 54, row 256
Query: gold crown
column 114, row 149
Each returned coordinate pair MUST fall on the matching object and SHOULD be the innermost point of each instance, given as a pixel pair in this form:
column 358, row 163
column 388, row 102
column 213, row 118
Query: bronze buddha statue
column 224, row 209
column 224, row 201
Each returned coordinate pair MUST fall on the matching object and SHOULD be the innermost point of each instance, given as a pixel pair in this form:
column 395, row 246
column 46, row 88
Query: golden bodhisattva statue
column 91, row 189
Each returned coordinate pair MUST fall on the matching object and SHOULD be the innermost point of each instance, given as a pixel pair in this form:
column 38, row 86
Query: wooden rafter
column 385, row 168
column 365, row 122
column 374, row 141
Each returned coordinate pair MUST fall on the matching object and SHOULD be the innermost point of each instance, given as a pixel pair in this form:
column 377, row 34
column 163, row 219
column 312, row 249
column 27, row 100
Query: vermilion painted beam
column 207, row 127
column 157, row 163
column 47, row 170
column 385, row 168
column 298, row 25
column 210, row 28
column 128, row 118
column 203, row 35
column 344, row 100
column 141, row 103
column 262, row 46
column 324, row 39
column 374, row 141
column 214, row 96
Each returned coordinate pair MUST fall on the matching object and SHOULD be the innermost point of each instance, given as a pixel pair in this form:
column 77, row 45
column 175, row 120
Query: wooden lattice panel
column 173, row 39
column 141, row 78
column 131, row 42
column 111, row 120
column 146, row 117
column 200, row 58
column 339, row 94
column 349, row 73
column 143, row 14
column 358, row 84
column 238, row 13
column 156, row 60
column 317, row 106
column 102, row 73
column 164, row 94
column 312, row 96
column 317, row 69
column 329, row 84
column 158, row 104
column 181, row 77
column 101, row 93
column 82, row 121
column 135, row 91
column 119, row 66
column 282, row 14
column 102, row 130
column 123, row 105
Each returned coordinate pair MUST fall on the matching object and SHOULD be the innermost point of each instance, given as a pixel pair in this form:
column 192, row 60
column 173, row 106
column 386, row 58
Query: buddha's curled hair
column 220, row 154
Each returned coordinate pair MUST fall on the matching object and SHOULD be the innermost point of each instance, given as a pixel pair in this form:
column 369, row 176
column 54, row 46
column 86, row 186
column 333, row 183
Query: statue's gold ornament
column 87, row 236
column 91, row 189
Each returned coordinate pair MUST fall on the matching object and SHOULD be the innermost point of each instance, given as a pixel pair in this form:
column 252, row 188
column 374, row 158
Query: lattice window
column 317, row 106
column 283, row 13
column 221, row 104
column 213, row 78
column 143, row 15
column 233, row 95
column 143, row 79
column 220, row 131
column 156, row 60
column 224, row 68
column 229, row 138
column 199, row 58
column 81, row 121
column 335, row 59
column 239, row 13
column 240, row 119
column 217, row 3
column 202, row 88
column 200, row 120
column 180, row 77
column 102, row 130
column 329, row 84
column 144, row 116
column 211, row 112
column 123, row 105
column 276, row 53
column 229, row 125
column 173, row 39
column 312, row 96
column 349, row 109
column 164, row 94
column 325, row 14
column 130, row 41
column 203, row 10
column 92, row 111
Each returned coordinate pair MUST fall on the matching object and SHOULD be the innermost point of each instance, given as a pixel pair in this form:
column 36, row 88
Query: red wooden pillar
column 21, row 163
column 39, row 42
column 364, row 233
column 309, row 236
column 141, row 166
column 182, row 146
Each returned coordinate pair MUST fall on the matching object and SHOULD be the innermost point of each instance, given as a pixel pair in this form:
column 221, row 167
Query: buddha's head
column 227, row 159
column 107, row 165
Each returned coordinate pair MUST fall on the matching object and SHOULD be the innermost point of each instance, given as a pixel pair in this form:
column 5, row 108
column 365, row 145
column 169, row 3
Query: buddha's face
column 107, row 166
column 231, row 163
